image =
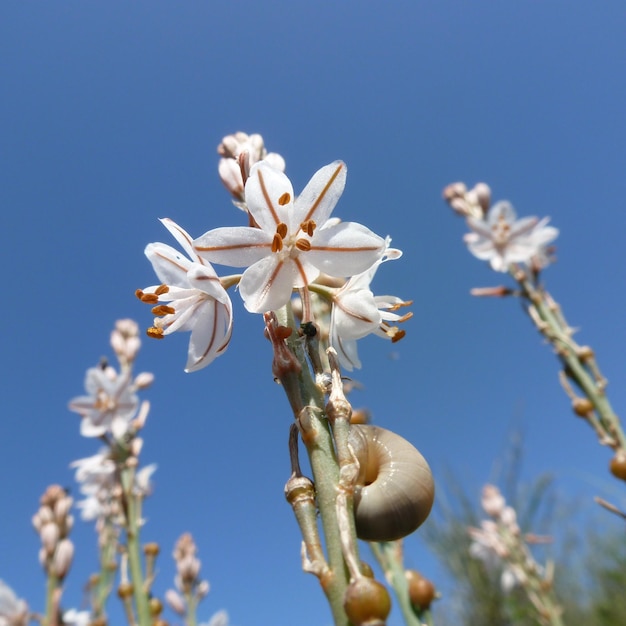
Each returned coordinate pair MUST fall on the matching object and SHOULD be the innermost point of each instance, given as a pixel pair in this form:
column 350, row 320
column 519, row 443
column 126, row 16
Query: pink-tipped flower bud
column 492, row 500
column 175, row 601
column 62, row 560
column 202, row 590
column 483, row 196
column 144, row 380
column 49, row 535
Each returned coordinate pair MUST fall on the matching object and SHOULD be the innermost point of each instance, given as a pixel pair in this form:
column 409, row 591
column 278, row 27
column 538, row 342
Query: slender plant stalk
column 133, row 547
column 325, row 469
column 389, row 557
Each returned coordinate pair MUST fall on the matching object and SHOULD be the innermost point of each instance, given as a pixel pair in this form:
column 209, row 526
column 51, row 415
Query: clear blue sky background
column 110, row 114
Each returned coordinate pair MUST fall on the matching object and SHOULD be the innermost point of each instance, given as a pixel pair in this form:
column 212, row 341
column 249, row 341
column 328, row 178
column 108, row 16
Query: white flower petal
column 319, row 197
column 345, row 249
column 169, row 264
column 267, row 285
column 210, row 335
column 269, row 196
column 237, row 246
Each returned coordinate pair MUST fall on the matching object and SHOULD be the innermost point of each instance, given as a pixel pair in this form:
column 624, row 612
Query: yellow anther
column 303, row 244
column 163, row 309
column 397, row 335
column 284, row 199
column 277, row 243
column 154, row 332
column 281, row 230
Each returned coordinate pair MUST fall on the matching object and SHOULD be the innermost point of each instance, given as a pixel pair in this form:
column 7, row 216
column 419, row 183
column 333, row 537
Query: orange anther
column 163, row 309
column 303, row 244
column 277, row 243
column 149, row 298
column 281, row 230
column 308, row 227
column 284, row 199
column 161, row 289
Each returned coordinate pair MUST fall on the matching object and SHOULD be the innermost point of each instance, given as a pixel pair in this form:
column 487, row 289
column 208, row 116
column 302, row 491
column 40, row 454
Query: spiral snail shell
column 395, row 488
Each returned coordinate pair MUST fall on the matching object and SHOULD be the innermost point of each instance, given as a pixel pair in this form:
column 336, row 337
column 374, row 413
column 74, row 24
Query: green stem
column 558, row 335
column 52, row 603
column 133, row 547
column 325, row 469
column 388, row 557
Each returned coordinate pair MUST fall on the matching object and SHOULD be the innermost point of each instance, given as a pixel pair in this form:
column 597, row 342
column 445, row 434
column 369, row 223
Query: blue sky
column 111, row 113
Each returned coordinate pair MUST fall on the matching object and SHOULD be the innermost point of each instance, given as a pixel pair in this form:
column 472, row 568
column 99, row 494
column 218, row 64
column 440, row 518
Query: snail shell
column 395, row 488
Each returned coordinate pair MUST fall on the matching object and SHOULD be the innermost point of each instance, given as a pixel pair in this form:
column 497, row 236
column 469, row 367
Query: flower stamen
column 163, row 309
column 154, row 332
column 308, row 227
column 303, row 244
column 277, row 243
column 284, row 199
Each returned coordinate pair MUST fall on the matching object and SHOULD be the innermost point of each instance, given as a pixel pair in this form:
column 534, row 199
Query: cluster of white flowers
column 497, row 235
column 111, row 411
column 499, row 542
column 289, row 243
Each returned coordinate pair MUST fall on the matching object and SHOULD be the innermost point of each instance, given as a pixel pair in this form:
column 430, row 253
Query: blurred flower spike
column 502, row 239
column 497, row 235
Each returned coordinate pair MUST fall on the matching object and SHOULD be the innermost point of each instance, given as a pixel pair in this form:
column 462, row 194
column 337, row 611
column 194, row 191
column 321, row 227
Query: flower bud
column 582, row 406
column 62, row 559
column 421, row 591
column 175, row 601
column 49, row 535
column 618, row 465
column 367, row 602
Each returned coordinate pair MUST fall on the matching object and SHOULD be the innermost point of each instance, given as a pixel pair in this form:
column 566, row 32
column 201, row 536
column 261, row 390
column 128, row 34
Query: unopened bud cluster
column 189, row 586
column 53, row 523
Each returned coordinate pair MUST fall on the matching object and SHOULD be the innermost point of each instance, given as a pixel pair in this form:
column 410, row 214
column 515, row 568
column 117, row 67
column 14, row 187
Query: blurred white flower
column 76, row 618
column 110, row 404
column 293, row 242
column 357, row 312
column 190, row 298
column 502, row 239
column 13, row 611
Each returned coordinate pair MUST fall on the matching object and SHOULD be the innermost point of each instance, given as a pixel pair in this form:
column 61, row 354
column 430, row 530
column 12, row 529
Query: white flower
column 291, row 245
column 97, row 478
column 357, row 312
column 190, row 298
column 110, row 405
column 501, row 239
column 13, row 611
